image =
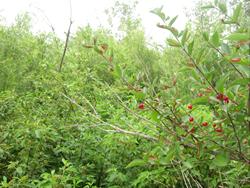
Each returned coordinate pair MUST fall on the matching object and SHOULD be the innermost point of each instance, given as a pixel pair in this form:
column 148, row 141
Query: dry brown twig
column 67, row 39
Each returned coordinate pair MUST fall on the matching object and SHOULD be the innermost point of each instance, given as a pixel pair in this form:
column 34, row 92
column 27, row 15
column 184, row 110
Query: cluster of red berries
column 205, row 124
column 222, row 97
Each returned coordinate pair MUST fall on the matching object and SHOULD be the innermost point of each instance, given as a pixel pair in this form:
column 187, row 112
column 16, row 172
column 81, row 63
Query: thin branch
column 184, row 178
column 135, row 113
column 197, row 67
column 235, row 132
column 227, row 16
column 46, row 18
column 195, row 181
column 67, row 40
column 237, row 70
column 93, row 108
column 200, row 71
column 116, row 128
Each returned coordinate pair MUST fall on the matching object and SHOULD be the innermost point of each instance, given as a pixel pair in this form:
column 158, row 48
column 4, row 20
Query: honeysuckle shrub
column 122, row 113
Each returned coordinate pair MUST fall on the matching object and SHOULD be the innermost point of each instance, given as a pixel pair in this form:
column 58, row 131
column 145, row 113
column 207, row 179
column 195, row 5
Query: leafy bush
column 121, row 113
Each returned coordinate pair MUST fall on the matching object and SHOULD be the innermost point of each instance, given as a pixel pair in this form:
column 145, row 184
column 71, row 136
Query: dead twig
column 67, row 40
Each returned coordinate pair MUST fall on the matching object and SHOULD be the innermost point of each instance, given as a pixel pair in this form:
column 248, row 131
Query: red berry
column 235, row 60
column 220, row 96
column 141, row 106
column 200, row 94
column 205, row 124
column 192, row 130
column 218, row 130
column 214, row 125
column 190, row 106
column 191, row 119
column 226, row 99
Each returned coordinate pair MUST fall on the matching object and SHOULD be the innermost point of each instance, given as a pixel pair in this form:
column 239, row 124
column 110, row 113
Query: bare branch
column 115, row 127
column 118, row 130
column 67, row 40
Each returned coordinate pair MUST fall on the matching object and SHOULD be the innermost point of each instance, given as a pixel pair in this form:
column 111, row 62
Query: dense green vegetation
column 121, row 113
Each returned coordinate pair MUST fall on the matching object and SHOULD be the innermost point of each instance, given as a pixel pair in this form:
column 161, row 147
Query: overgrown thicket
column 123, row 113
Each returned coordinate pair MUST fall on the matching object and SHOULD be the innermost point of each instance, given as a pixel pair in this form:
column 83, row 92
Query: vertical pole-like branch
column 235, row 133
column 67, row 40
column 248, row 102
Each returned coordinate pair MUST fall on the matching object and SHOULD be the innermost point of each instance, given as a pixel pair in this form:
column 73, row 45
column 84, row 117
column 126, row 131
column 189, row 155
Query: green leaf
column 184, row 37
column 98, row 50
column 155, row 116
column 173, row 42
column 173, row 30
column 19, row 170
column 188, row 164
column 136, row 162
column 228, row 22
column 139, row 95
column 220, row 84
column 236, row 13
column 221, row 159
column 215, row 39
column 169, row 157
column 172, row 21
column 111, row 53
column 118, row 71
column 190, row 47
column 225, row 48
column 238, row 37
column 37, row 133
column 158, row 12
column 207, row 6
column 200, row 100
column 205, row 36
column 46, row 184
column 241, row 81
column 222, row 7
